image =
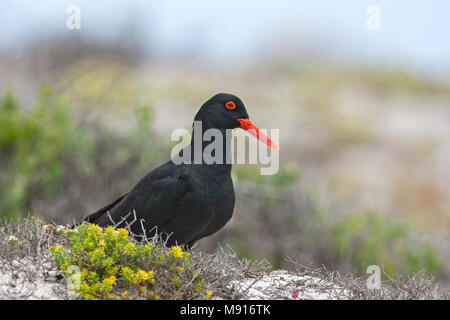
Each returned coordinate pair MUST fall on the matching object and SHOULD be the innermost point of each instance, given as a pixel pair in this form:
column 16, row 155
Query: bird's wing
column 169, row 198
column 154, row 199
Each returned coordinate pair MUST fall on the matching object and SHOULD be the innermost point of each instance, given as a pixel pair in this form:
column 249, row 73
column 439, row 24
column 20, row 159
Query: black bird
column 186, row 201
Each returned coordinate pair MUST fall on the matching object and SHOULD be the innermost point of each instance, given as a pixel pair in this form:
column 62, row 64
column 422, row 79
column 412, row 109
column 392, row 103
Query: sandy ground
column 34, row 283
column 282, row 284
column 24, row 279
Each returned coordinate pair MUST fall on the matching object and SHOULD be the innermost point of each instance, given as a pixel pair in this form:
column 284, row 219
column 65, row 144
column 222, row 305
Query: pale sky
column 413, row 33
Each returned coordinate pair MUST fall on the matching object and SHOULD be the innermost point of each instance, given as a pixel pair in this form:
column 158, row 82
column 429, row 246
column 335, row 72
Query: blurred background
column 362, row 103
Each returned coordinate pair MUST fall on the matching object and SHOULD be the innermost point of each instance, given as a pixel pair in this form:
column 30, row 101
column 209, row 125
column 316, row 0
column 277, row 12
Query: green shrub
column 50, row 148
column 34, row 146
column 108, row 265
column 371, row 239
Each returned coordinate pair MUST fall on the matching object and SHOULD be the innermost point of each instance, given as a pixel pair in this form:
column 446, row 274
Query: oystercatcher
column 188, row 201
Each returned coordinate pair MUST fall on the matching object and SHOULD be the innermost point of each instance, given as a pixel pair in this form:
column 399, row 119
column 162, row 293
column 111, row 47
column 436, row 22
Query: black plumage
column 186, row 201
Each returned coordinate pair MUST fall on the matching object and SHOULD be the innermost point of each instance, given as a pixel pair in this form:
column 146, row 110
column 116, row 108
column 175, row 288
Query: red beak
column 247, row 125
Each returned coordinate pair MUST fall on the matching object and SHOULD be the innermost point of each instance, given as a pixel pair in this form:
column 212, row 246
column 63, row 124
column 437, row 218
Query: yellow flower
column 109, row 229
column 129, row 248
column 95, row 227
column 124, row 294
column 208, row 294
column 177, row 252
column 142, row 275
column 111, row 280
column 122, row 232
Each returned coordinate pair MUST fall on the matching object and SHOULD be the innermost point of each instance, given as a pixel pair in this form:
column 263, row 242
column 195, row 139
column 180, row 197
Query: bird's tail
column 97, row 214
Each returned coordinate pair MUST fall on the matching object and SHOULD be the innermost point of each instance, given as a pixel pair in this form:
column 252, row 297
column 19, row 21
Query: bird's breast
column 218, row 198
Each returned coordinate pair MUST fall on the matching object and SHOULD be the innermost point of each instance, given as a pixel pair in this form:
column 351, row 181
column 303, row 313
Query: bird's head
column 227, row 111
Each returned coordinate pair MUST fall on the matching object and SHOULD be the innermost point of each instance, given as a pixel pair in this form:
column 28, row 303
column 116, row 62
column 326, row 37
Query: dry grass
column 27, row 271
column 350, row 286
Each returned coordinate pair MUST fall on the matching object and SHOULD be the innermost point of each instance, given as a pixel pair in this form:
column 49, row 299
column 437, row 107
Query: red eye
column 230, row 105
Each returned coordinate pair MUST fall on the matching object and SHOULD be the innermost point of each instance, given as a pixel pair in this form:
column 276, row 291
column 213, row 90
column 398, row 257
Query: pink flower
column 295, row 293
